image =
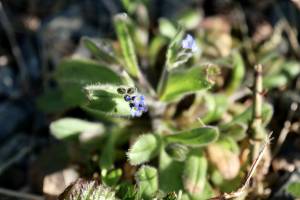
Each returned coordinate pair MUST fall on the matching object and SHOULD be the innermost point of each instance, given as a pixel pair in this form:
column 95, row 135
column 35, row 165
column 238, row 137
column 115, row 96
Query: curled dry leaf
column 55, row 183
column 226, row 162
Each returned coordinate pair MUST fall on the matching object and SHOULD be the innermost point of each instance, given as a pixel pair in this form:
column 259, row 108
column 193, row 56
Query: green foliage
column 83, row 190
column 177, row 151
column 170, row 173
column 183, row 82
column 216, row 107
column 100, row 50
column 197, row 137
column 235, row 130
column 69, row 127
column 245, row 117
column 196, row 106
column 166, row 28
column 121, row 26
column 146, row 147
column 106, row 99
column 172, row 60
column 287, row 71
column 73, row 74
column 190, row 19
column 147, row 181
column 238, row 73
column 194, row 174
column 111, row 178
column 294, row 189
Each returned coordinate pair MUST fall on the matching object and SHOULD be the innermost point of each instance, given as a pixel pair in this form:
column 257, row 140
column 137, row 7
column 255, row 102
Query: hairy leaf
column 87, row 190
column 73, row 74
column 183, row 82
column 100, row 50
column 147, row 180
column 197, row 137
column 194, row 174
column 68, row 127
column 173, row 50
column 170, row 173
column 145, row 148
column 127, row 46
column 106, row 99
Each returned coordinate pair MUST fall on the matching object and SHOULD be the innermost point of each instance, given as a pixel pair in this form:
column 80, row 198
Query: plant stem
column 256, row 123
column 163, row 81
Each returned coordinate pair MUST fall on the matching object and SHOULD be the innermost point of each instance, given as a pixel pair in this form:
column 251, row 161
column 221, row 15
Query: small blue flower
column 127, row 98
column 189, row 43
column 139, row 106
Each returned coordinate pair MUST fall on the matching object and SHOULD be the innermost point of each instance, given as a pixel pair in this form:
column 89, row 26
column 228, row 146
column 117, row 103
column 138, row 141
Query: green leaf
column 197, row 137
column 146, row 147
column 87, row 190
column 111, row 178
column 106, row 99
column 100, row 50
column 291, row 68
column 234, row 130
column 156, row 45
column 246, row 116
column 294, row 189
column 237, row 74
column 183, row 82
column 274, row 81
column 170, row 173
column 217, row 105
column 173, row 49
column 166, row 28
column 190, row 19
column 207, row 193
column 229, row 143
column 73, row 74
column 147, row 180
column 225, row 185
column 52, row 101
column 106, row 162
column 69, row 127
column 127, row 191
column 177, row 151
column 194, row 174
column 170, row 196
column 121, row 26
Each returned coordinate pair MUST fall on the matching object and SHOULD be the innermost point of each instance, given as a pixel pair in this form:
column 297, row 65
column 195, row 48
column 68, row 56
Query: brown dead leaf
column 226, row 162
column 55, row 183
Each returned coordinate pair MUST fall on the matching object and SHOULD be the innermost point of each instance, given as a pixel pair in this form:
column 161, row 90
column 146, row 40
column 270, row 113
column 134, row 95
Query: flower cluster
column 137, row 105
column 189, row 43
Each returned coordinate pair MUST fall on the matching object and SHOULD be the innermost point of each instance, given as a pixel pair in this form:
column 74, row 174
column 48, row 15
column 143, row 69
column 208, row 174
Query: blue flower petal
column 189, row 43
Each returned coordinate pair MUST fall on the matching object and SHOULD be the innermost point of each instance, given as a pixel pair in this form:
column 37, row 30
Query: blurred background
column 35, row 35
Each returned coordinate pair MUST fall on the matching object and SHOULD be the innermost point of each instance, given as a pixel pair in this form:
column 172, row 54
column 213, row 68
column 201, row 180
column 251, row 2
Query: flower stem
column 163, row 81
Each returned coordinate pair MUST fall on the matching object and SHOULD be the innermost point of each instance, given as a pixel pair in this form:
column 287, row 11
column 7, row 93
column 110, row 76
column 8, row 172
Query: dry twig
column 286, row 129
